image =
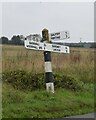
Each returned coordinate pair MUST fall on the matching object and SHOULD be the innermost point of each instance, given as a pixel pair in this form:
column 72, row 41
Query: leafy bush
column 66, row 81
column 26, row 80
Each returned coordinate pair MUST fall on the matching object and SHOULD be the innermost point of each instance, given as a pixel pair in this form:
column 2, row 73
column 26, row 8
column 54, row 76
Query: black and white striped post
column 48, row 67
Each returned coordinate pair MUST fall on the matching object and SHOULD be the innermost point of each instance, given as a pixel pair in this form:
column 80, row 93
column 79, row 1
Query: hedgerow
column 23, row 80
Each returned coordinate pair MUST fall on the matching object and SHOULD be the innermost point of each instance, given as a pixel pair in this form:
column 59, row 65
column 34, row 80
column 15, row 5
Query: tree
column 3, row 40
column 16, row 40
column 0, row 41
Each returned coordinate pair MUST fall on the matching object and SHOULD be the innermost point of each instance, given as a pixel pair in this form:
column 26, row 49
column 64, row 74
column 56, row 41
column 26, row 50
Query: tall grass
column 79, row 63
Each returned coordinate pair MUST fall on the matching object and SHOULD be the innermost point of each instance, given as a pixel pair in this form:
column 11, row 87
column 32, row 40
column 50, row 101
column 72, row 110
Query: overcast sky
column 27, row 18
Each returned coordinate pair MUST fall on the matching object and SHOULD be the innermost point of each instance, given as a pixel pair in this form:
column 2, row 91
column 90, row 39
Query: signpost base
column 50, row 87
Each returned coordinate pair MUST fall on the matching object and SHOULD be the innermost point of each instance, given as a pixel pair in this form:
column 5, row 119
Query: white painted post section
column 50, row 87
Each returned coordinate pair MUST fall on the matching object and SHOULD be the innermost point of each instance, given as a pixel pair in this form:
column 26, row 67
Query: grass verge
column 40, row 104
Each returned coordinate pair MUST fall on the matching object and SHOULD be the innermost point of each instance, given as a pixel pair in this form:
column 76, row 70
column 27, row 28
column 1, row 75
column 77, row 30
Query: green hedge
column 26, row 80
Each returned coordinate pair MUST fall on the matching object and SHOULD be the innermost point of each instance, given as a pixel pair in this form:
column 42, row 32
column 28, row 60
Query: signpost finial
column 45, row 35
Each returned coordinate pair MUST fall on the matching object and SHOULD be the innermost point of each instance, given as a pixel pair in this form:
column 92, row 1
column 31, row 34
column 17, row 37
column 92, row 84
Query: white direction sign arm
column 59, row 35
column 30, row 44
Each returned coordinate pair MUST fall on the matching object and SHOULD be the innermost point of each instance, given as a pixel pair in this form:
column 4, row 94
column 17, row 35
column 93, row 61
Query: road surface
column 90, row 116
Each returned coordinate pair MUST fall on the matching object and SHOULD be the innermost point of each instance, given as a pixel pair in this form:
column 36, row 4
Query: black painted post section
column 48, row 67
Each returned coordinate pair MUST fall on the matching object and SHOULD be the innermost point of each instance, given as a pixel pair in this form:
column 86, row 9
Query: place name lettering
column 55, row 46
column 33, row 43
column 40, row 47
column 53, row 34
column 57, row 50
column 31, row 46
column 56, row 37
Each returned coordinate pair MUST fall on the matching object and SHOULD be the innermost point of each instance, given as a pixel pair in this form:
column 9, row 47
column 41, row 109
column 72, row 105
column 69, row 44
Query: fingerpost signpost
column 45, row 44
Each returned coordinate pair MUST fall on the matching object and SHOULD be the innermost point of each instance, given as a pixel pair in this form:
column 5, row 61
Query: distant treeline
column 83, row 44
column 15, row 40
column 19, row 40
column 80, row 44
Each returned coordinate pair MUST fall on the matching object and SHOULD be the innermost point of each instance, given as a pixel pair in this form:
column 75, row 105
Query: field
column 79, row 64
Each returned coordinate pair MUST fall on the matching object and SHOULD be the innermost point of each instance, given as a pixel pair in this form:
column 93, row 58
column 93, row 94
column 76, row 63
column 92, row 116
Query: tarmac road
column 90, row 116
